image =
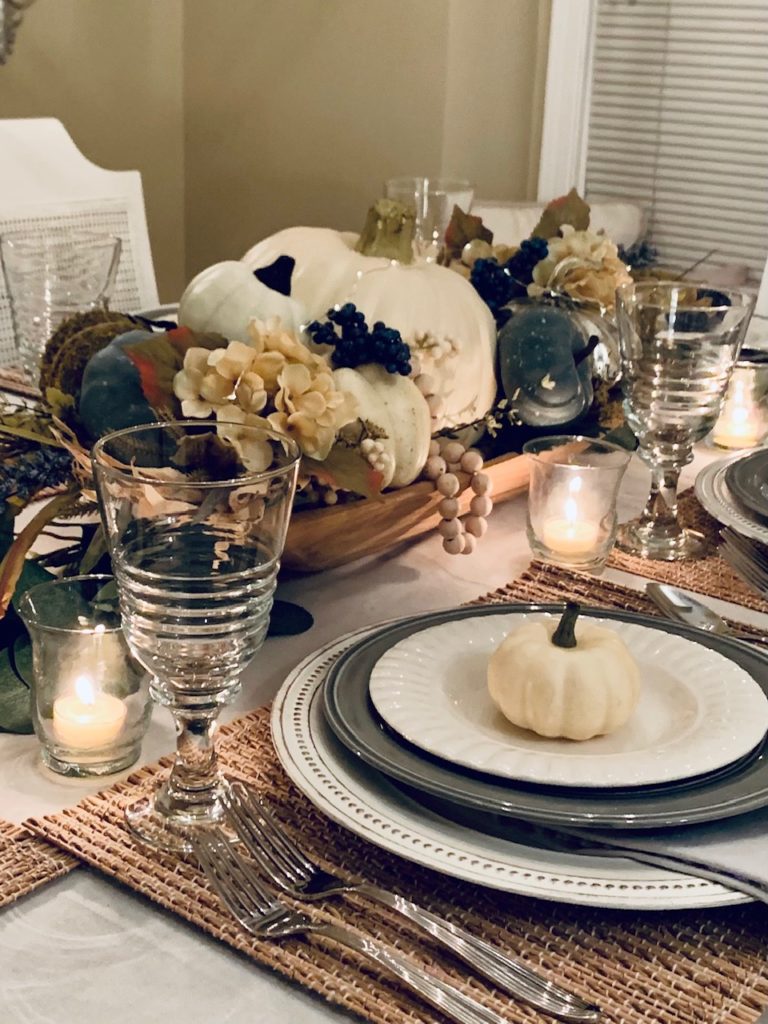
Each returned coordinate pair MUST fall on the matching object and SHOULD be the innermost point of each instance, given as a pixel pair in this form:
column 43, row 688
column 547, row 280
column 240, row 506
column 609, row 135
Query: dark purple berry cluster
column 354, row 344
column 499, row 283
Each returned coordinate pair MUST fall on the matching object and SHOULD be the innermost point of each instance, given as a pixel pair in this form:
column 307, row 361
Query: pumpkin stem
column 565, row 634
column 388, row 232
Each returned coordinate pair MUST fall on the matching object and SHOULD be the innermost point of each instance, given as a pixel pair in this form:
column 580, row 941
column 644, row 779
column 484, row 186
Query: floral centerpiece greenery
column 104, row 370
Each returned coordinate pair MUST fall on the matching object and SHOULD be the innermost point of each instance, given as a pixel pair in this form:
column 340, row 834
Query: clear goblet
column 678, row 345
column 196, row 516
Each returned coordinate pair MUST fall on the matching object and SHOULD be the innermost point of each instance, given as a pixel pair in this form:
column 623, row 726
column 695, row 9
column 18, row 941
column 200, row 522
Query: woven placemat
column 697, row 967
column 27, row 862
column 711, row 575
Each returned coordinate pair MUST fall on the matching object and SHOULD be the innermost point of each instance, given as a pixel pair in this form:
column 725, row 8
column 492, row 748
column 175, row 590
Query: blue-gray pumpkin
column 111, row 396
column 542, row 376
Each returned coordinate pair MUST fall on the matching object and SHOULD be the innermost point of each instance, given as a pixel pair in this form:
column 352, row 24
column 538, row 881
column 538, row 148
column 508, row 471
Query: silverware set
column 246, row 874
column 748, row 557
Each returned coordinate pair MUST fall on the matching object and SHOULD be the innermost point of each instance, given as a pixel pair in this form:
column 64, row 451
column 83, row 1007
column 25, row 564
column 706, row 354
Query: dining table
column 84, row 949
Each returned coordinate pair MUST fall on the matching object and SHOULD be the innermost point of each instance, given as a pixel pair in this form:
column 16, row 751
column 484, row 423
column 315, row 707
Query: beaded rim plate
column 698, row 711
column 747, row 480
column 367, row 804
column 712, row 491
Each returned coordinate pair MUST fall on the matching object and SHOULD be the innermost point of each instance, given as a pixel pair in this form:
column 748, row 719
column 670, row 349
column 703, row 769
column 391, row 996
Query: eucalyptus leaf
column 15, row 697
column 31, row 574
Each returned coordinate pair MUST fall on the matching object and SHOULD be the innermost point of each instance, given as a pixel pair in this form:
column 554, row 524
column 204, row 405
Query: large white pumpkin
column 437, row 312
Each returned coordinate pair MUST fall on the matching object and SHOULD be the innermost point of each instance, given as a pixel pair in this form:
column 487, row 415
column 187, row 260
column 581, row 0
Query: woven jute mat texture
column 697, row 967
column 27, row 862
column 710, row 575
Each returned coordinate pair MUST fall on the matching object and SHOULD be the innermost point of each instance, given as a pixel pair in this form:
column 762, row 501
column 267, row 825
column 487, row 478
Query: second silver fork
column 291, row 871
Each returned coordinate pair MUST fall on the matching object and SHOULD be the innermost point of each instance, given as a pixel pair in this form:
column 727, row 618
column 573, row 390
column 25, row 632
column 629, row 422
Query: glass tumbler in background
column 196, row 517
column 574, row 483
column 49, row 275
column 678, row 345
column 432, row 200
column 90, row 697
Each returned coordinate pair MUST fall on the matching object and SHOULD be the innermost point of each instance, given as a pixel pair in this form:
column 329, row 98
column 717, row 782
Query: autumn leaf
column 569, row 209
column 346, row 469
column 463, row 228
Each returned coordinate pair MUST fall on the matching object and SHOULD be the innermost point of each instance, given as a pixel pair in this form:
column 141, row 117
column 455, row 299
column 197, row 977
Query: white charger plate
column 698, row 711
column 367, row 804
column 713, row 493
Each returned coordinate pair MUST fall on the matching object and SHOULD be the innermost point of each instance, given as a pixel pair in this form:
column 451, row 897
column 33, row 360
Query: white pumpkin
column 225, row 297
column 437, row 312
column 395, row 405
column 588, row 689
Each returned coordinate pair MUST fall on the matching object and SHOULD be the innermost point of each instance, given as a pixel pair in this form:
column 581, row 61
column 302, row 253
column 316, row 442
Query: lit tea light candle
column 87, row 719
column 738, row 427
column 570, row 534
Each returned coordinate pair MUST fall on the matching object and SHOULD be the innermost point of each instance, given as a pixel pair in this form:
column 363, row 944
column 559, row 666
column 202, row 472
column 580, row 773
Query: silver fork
column 240, row 889
column 745, row 559
column 284, row 864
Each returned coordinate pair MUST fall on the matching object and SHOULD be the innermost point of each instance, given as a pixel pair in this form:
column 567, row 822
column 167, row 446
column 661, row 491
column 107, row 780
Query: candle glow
column 86, row 719
column 570, row 533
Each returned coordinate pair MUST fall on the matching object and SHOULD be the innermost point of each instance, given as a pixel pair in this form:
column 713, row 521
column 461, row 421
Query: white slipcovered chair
column 511, row 222
column 46, row 181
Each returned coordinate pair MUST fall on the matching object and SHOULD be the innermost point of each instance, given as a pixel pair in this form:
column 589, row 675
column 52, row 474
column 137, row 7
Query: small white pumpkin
column 395, row 405
column 576, row 681
column 437, row 312
column 225, row 297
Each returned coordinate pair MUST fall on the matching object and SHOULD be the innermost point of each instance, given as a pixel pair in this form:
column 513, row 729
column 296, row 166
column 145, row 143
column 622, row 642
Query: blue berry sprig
column 354, row 344
column 499, row 283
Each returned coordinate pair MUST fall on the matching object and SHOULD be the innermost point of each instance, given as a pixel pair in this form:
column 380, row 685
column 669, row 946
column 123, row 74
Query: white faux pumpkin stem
column 565, row 634
column 388, row 232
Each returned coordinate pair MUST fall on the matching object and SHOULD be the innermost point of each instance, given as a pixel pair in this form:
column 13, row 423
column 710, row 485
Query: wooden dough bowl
column 323, row 538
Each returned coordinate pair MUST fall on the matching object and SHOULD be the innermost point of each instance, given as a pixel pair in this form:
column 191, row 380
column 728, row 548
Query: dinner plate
column 712, row 491
column 354, row 721
column 369, row 805
column 698, row 711
column 747, row 480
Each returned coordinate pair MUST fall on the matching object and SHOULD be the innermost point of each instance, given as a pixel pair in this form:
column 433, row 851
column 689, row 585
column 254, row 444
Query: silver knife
column 679, row 605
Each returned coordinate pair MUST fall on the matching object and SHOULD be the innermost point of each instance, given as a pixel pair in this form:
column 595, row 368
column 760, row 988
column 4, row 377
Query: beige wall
column 110, row 70
column 250, row 115
column 298, row 110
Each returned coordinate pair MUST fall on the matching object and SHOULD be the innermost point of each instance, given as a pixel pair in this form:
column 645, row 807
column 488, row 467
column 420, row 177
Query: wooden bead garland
column 447, row 457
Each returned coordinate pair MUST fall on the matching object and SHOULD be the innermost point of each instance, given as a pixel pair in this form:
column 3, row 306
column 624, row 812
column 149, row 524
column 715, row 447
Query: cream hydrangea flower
column 583, row 264
column 309, row 408
column 235, row 426
column 274, row 374
column 199, row 391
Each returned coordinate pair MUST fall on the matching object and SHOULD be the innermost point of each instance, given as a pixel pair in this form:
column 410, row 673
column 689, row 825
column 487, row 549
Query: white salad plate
column 712, row 491
column 698, row 710
column 370, row 806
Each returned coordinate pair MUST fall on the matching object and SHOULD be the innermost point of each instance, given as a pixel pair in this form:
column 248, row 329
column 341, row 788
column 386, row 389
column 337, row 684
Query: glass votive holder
column 572, row 493
column 743, row 419
column 90, row 697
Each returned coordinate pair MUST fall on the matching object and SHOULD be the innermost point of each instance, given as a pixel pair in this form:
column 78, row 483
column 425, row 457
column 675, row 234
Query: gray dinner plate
column 747, row 480
column 736, row 789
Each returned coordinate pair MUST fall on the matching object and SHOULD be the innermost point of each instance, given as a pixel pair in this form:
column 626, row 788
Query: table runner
column 711, row 575
column 697, row 967
column 27, row 862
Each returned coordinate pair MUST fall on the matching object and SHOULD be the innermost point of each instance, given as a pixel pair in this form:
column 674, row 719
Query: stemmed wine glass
column 196, row 516
column 678, row 344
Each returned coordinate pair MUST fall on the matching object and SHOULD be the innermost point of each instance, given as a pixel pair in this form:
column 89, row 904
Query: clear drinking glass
column 572, row 493
column 196, row 538
column 678, row 344
column 432, row 200
column 49, row 275
column 90, row 697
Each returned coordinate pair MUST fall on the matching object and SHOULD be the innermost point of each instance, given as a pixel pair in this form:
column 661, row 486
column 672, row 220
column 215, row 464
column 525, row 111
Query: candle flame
column 571, row 511
column 85, row 690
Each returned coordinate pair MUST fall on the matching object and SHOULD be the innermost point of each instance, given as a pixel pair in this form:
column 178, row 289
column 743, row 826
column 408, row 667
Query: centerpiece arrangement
column 389, row 372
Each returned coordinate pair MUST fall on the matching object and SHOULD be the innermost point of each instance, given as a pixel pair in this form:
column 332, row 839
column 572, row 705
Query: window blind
column 679, row 122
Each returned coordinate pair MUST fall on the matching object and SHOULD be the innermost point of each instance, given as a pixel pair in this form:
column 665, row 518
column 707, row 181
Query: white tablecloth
column 84, row 950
